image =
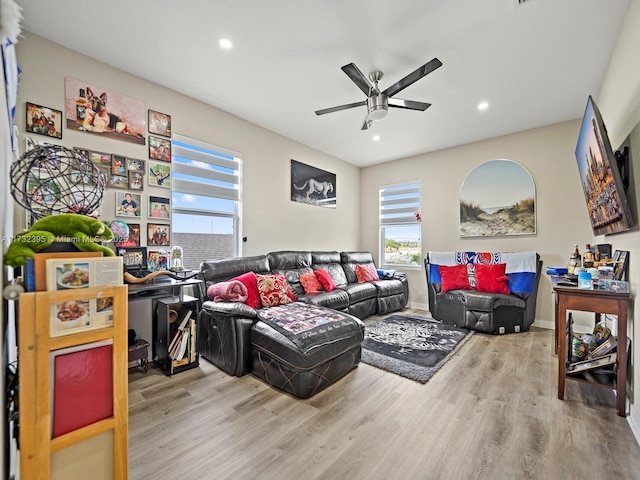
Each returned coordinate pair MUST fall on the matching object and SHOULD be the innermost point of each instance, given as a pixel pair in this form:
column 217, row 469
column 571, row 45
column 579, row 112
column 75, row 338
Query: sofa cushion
column 349, row 261
column 454, row 277
column 325, row 279
column 491, row 278
column 310, row 283
column 250, row 281
column 390, row 287
column 360, row 291
column 274, row 290
column 291, row 264
column 366, row 273
column 337, row 299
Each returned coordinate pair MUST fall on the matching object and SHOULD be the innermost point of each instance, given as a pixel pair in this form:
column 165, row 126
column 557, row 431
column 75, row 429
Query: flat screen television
column 604, row 191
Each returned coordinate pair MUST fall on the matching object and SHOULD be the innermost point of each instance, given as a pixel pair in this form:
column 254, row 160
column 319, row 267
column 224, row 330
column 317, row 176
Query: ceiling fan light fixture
column 377, row 107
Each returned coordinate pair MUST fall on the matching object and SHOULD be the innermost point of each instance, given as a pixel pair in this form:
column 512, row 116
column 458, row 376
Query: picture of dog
column 98, row 110
column 97, row 117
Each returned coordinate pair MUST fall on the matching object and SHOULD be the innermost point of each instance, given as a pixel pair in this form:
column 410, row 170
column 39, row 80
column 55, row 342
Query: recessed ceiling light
column 376, row 138
column 483, row 106
column 225, row 43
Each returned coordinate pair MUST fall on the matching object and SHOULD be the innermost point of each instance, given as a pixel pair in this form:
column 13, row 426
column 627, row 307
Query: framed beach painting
column 498, row 199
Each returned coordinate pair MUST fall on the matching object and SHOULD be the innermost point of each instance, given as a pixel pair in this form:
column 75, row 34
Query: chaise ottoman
column 302, row 348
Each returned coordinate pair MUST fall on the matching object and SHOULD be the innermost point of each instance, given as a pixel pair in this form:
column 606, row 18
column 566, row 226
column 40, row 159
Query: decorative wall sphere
column 53, row 179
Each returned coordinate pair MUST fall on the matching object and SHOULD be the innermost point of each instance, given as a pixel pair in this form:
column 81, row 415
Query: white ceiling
column 535, row 63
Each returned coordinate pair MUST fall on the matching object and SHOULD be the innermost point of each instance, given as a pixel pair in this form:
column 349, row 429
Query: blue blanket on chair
column 521, row 266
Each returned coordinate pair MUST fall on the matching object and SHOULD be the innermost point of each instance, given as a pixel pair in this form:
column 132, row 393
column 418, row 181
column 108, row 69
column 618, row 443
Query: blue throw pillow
column 385, row 274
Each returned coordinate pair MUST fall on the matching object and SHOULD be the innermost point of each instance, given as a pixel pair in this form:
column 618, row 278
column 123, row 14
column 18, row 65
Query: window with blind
column 400, row 230
column 206, row 190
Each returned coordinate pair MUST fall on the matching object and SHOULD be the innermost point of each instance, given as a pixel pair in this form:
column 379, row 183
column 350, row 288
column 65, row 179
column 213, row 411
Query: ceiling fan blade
column 358, row 78
column 340, row 107
column 413, row 77
column 408, row 104
column 366, row 124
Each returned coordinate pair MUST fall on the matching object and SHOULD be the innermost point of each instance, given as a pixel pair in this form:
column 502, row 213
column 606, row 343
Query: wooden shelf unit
column 598, row 302
column 35, row 348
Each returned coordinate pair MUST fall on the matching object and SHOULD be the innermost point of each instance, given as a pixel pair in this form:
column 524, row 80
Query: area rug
column 411, row 346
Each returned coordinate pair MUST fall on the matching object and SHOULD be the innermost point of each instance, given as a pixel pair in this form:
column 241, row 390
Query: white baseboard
column 418, row 306
column 548, row 324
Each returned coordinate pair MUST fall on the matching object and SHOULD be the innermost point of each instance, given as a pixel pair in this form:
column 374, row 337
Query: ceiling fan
column 378, row 102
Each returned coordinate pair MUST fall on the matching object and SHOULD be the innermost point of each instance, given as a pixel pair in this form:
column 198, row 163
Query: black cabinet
column 175, row 343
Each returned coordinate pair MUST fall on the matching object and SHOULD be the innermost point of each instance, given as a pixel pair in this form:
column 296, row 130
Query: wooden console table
column 599, row 302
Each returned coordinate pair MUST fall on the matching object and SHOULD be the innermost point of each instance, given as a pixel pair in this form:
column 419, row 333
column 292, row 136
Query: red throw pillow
column 274, row 290
column 310, row 283
column 492, row 278
column 367, row 273
column 250, row 281
column 454, row 278
column 325, row 280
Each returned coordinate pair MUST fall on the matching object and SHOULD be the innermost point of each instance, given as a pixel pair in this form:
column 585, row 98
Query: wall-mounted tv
column 607, row 204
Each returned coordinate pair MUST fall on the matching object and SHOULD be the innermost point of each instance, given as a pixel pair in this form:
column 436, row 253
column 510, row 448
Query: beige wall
column 619, row 101
column 547, row 153
column 271, row 221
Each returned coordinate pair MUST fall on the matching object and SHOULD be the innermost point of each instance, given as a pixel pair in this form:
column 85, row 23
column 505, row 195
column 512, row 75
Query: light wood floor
column 491, row 412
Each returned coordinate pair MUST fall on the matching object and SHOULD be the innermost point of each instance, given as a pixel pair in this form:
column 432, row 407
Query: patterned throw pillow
column 274, row 290
column 367, row 273
column 310, row 283
column 454, row 277
column 250, row 281
column 325, row 279
column 492, row 278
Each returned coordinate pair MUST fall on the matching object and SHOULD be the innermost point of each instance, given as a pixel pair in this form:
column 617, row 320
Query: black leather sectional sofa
column 232, row 336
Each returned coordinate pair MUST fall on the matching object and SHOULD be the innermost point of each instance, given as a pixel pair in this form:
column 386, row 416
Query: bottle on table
column 575, row 260
column 587, row 257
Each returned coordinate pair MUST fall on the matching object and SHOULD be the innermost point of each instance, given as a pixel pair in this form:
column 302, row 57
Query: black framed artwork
column 312, row 185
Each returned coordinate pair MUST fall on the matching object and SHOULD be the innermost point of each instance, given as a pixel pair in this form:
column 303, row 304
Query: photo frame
column 136, row 181
column 159, row 207
column 101, row 159
column 45, row 121
column 135, row 165
column 621, row 259
column 118, row 181
column 159, row 149
column 128, row 204
column 118, row 165
column 106, row 173
column 134, row 237
column 134, row 259
column 159, row 123
column 158, row 235
column 312, row 185
column 99, row 111
column 159, row 174
column 157, row 261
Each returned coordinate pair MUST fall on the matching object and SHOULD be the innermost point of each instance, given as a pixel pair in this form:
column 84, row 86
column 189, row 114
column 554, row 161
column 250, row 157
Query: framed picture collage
column 137, row 193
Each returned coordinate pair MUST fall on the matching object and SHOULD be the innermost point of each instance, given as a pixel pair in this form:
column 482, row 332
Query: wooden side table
column 599, row 302
column 140, row 351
